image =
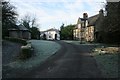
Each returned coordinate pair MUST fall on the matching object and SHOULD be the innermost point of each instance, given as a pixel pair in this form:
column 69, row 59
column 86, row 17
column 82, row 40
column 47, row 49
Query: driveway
column 71, row 61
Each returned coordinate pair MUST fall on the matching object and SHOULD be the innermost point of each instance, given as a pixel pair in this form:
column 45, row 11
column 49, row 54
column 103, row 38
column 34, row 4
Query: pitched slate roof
column 52, row 29
column 19, row 27
column 80, row 20
column 92, row 20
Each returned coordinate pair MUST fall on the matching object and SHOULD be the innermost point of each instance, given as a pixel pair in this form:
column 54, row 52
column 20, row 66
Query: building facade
column 80, row 28
column 50, row 34
column 87, row 27
column 22, row 32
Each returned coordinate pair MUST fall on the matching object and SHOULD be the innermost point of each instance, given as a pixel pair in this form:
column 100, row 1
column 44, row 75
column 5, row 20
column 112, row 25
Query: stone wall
column 20, row 34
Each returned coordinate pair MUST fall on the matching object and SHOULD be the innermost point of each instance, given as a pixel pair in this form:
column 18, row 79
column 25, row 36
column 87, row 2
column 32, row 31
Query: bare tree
column 30, row 22
column 26, row 21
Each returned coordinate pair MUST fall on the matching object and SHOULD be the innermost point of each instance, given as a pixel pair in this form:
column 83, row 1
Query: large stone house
column 87, row 27
column 50, row 34
column 79, row 31
column 90, row 29
column 20, row 32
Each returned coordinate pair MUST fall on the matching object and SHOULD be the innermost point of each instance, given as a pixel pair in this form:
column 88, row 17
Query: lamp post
column 80, row 32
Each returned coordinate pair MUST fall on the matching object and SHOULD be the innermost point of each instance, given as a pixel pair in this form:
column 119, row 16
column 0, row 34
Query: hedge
column 17, row 40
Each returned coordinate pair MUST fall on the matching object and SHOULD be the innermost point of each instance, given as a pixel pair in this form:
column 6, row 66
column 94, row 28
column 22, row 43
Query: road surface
column 71, row 61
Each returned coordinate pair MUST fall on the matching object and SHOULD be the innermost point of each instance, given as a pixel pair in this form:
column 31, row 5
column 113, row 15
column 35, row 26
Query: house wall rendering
column 51, row 34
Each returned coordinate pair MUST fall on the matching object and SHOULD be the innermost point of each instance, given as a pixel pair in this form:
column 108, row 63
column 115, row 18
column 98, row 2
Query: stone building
column 20, row 32
column 80, row 28
column 90, row 30
column 87, row 27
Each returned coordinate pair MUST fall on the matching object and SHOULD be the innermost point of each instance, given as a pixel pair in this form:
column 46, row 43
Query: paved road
column 72, row 61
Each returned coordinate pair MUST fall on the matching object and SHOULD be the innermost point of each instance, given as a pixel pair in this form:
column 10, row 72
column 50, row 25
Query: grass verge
column 25, row 50
column 108, row 63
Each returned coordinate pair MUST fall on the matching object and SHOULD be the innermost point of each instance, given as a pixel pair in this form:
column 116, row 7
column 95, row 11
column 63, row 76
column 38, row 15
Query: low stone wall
column 26, row 51
column 16, row 40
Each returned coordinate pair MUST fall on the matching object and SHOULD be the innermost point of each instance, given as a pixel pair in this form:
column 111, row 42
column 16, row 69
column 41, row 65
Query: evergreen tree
column 67, row 32
column 9, row 16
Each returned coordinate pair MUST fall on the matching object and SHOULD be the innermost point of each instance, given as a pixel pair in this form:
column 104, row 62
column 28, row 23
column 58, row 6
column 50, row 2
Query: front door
column 55, row 36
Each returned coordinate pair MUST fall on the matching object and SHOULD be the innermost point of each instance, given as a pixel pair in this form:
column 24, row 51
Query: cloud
column 52, row 13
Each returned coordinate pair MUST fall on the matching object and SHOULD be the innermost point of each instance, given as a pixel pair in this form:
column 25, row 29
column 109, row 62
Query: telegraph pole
column 85, row 17
column 82, row 31
column 81, row 35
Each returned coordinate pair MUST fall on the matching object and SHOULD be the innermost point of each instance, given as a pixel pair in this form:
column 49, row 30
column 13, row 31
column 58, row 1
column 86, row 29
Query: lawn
column 106, row 57
column 78, row 42
column 107, row 60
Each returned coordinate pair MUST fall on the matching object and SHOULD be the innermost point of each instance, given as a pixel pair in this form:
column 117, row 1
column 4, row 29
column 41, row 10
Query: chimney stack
column 85, row 15
column 101, row 12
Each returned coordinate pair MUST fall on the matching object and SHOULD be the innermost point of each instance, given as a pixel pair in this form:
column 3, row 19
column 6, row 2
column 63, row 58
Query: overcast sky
column 52, row 13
